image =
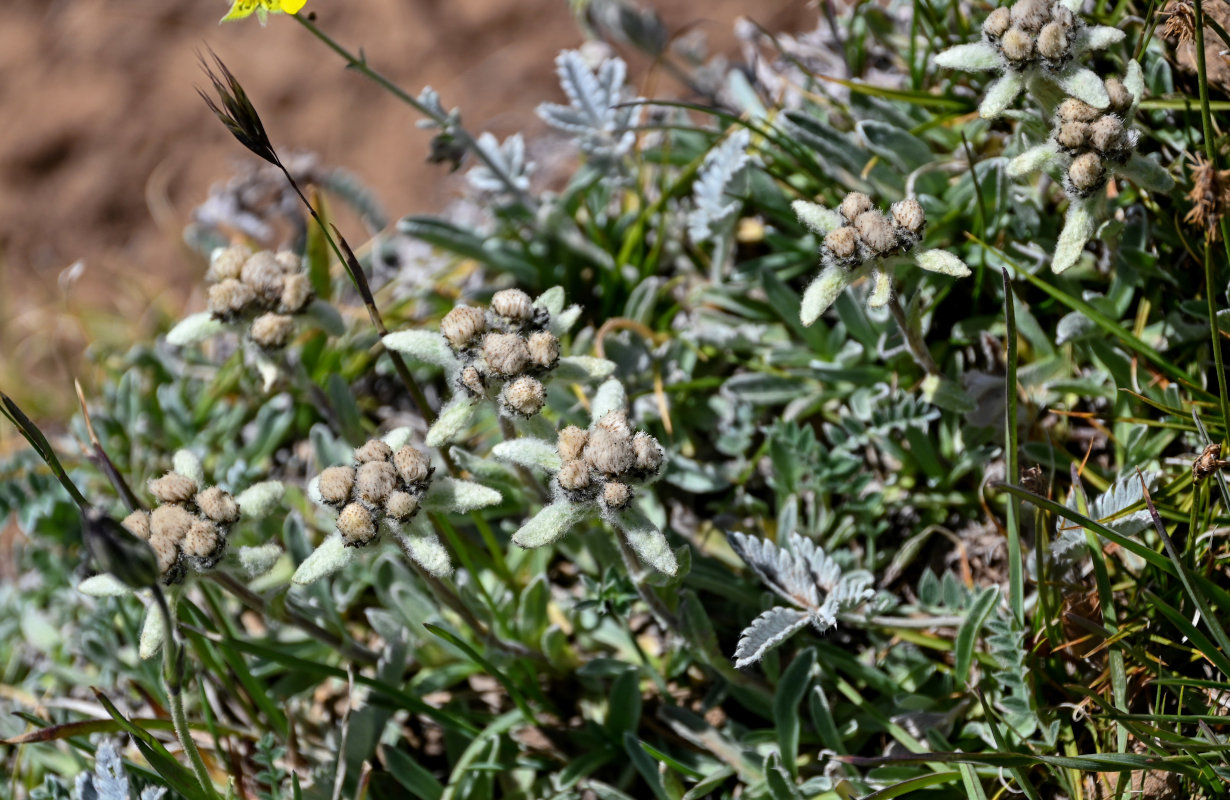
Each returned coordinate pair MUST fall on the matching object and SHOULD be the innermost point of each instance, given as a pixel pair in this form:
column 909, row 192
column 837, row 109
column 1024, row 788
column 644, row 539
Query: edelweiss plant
column 188, row 531
column 806, row 578
column 859, row 238
column 510, row 348
column 595, row 472
column 1089, row 147
column 388, row 484
column 1035, row 44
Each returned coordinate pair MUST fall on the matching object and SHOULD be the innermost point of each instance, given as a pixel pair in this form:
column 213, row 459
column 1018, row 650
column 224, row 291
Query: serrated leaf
column 766, row 632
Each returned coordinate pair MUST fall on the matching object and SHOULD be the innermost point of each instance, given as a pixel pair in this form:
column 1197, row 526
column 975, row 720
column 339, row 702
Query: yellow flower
column 244, row 8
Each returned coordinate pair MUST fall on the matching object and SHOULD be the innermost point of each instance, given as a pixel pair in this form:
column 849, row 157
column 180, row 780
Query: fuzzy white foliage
column 1001, row 94
column 974, row 57
column 881, row 289
column 108, row 780
column 597, row 117
column 1134, row 82
column 428, row 347
column 562, row 322
column 328, row 558
column 580, row 368
column 195, row 328
column 421, row 544
column 257, row 560
column 806, row 578
column 552, row 300
column 325, row 316
column 450, row 494
column 646, row 540
column 1147, row 173
column 822, row 293
column 818, row 219
column 713, row 208
column 1035, row 159
column 186, row 463
column 454, row 418
column 1078, row 227
column 549, row 524
column 398, row 437
column 1098, row 37
column 103, row 584
column 1084, row 84
column 610, row 396
column 260, row 499
column 153, row 632
column 943, row 262
column 529, row 452
column 507, row 169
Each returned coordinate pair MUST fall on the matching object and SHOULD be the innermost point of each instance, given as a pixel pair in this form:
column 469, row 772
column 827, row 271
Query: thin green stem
column 1016, row 572
column 914, row 341
column 172, row 676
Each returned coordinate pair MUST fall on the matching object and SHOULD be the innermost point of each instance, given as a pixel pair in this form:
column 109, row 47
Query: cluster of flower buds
column 382, row 483
column 868, row 234
column 1033, row 32
column 507, row 344
column 601, row 463
column 1092, row 137
column 188, row 528
column 266, row 288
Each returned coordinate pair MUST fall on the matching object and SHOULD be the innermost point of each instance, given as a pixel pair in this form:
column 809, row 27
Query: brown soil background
column 105, row 146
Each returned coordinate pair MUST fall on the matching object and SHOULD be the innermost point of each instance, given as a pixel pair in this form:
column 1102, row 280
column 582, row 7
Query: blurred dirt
column 106, row 146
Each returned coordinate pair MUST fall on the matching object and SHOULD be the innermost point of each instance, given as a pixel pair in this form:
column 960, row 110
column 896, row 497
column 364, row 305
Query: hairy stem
column 913, row 338
column 172, row 676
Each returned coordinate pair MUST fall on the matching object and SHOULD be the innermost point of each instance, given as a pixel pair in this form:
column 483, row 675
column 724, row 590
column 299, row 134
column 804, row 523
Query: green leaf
column 790, row 691
column 967, row 635
column 178, row 777
column 413, row 777
column 624, row 704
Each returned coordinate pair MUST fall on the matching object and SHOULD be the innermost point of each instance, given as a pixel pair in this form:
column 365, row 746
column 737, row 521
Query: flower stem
column 913, row 338
column 172, row 677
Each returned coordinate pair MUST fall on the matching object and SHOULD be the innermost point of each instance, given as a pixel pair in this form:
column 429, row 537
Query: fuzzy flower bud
column 544, row 349
column 218, row 505
column 374, row 481
column 610, row 446
column 170, row 522
column 506, row 353
column 166, row 550
column 356, row 525
column 296, row 291
column 1053, row 42
column 462, row 325
column 1017, row 45
column 137, row 523
column 202, row 541
column 1086, row 173
column 648, row 453
column 401, row 506
column 335, row 484
column 842, row 243
column 571, row 443
column 573, row 476
column 373, row 450
column 616, row 495
column 229, row 298
column 289, row 261
column 1072, row 135
column 524, row 396
column 272, row 331
column 412, row 466
column 1120, row 98
column 264, row 274
column 876, row 232
column 855, row 203
column 173, row 488
column 1106, row 134
column 1031, row 15
column 908, row 215
column 997, row 22
column 1073, row 110
column 226, row 262
column 472, row 380
column 513, row 304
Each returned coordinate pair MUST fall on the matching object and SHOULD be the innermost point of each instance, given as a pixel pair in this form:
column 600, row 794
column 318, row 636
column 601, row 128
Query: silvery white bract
column 806, row 578
column 1079, row 220
column 713, row 206
column 505, row 169
column 1067, row 74
column 108, row 780
column 598, row 117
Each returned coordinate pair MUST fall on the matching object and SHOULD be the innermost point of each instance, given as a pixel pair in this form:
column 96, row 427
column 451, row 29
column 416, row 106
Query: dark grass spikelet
column 236, row 111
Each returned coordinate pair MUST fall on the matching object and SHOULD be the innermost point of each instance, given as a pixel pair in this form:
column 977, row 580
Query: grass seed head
column 462, row 326
column 218, row 505
column 173, row 488
column 506, row 354
column 356, row 525
column 272, row 331
column 335, row 484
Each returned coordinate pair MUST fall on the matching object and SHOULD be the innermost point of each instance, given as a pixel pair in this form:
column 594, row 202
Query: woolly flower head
column 382, row 490
column 806, row 578
column 1086, row 148
column 505, row 352
column 858, row 237
column 1030, row 41
column 595, row 472
column 262, row 9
